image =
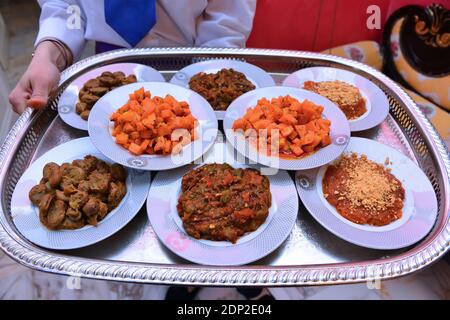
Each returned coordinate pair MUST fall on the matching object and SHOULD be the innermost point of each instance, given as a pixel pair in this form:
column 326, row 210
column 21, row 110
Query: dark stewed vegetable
column 72, row 195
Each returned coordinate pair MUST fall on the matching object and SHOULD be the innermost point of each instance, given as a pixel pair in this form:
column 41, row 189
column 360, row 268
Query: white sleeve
column 225, row 23
column 65, row 21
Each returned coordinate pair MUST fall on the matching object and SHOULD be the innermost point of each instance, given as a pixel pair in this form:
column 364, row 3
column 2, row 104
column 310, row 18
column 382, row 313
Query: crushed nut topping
column 364, row 191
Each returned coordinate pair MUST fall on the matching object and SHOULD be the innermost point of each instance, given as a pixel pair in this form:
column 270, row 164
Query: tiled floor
column 17, row 282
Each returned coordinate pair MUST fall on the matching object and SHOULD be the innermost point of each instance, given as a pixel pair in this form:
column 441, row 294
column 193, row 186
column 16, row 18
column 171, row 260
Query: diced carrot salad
column 153, row 125
column 294, row 128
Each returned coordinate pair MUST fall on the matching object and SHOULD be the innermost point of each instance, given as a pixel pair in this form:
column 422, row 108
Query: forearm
column 54, row 52
column 55, row 46
column 40, row 79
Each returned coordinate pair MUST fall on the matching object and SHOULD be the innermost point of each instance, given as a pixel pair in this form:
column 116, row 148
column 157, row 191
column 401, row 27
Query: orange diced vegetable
column 145, row 123
column 294, row 128
column 122, row 138
column 135, row 149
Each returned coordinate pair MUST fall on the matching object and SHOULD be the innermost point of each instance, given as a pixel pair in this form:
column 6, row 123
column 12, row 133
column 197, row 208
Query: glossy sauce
column 336, row 193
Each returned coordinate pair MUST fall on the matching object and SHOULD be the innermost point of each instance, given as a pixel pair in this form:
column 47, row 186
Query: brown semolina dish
column 346, row 96
column 221, row 203
column 363, row 191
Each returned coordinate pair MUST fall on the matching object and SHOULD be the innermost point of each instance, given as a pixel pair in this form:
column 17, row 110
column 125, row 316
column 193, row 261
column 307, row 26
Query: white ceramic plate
column 161, row 209
column 100, row 127
column 26, row 216
column 69, row 98
column 419, row 211
column 376, row 101
column 254, row 74
column 339, row 129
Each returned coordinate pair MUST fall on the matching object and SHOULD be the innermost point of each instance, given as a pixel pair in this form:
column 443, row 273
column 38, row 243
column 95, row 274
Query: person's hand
column 39, row 80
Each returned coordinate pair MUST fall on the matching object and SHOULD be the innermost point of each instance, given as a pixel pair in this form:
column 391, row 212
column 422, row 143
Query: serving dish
column 26, row 216
column 252, row 246
column 310, row 256
column 418, row 213
column 339, row 130
column 100, row 127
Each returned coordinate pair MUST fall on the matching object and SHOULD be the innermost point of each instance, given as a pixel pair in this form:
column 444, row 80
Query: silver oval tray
column 310, row 256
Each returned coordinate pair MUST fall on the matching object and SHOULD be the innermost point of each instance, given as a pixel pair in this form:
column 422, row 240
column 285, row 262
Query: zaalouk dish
column 286, row 126
column 346, row 96
column 220, row 203
column 220, row 88
column 363, row 191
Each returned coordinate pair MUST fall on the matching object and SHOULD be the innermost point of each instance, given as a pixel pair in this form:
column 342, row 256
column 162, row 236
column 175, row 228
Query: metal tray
column 310, row 256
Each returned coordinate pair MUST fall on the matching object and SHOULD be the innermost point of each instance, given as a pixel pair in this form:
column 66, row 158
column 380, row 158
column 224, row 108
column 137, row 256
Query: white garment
column 207, row 23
